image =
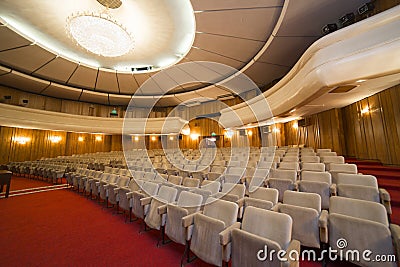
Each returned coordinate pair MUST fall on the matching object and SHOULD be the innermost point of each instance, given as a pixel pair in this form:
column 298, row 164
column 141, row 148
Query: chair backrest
column 310, row 159
column 289, row 165
column 150, row 188
column 222, row 210
column 123, row 181
column 234, row 189
column 359, row 208
column 321, row 150
column 212, row 186
column 268, row 224
column 173, row 179
column 316, row 176
column 284, row 174
column 343, row 168
column 311, row 166
column 191, row 182
column 357, row 179
column 189, row 199
column 269, row 194
column 167, row 194
column 302, row 199
column 332, row 159
column 290, row 159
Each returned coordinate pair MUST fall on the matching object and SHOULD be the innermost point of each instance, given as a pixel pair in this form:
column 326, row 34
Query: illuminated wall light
column 276, row 130
column 21, row 139
column 153, row 138
column 249, row 132
column 361, row 81
column 194, row 136
column 171, row 138
column 98, row 138
column 80, row 139
column 295, row 125
column 229, row 133
column 365, row 110
column 55, row 139
column 136, row 138
column 186, row 130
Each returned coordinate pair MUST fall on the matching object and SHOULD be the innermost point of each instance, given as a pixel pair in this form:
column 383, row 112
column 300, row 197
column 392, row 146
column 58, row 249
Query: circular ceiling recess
column 110, row 3
column 156, row 34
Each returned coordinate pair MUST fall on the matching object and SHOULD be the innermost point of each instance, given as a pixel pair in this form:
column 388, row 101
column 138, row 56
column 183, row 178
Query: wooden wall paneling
column 378, row 131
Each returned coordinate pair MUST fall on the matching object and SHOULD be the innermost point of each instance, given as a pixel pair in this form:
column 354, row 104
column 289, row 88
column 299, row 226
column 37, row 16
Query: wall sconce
column 55, row 139
column 186, row 130
column 194, row 136
column 153, row 138
column 21, row 139
column 229, row 133
column 80, row 139
column 98, row 138
column 249, row 132
column 171, row 138
column 136, row 138
column 276, row 130
column 365, row 110
column 295, row 125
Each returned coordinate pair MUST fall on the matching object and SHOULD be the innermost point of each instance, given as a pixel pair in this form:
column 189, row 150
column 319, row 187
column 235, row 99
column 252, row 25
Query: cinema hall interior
column 235, row 133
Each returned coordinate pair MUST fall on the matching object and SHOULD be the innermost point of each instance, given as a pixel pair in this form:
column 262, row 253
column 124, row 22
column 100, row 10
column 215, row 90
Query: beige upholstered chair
column 191, row 182
column 309, row 222
column 282, row 180
column 174, row 179
column 147, row 189
column 364, row 187
column 125, row 193
column 261, row 197
column 319, row 183
column 152, row 218
column 212, row 186
column 261, row 228
column 336, row 168
column 104, row 185
column 112, row 190
column 218, row 216
column 364, row 226
column 188, row 203
column 313, row 166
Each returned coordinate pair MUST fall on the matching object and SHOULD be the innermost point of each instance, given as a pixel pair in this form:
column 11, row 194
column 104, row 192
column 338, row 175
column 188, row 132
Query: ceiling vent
column 343, row 89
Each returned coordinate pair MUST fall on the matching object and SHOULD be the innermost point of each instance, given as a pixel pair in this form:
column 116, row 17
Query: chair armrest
column 162, row 209
column 395, row 230
column 225, row 235
column 188, row 219
column 97, row 183
column 333, row 190
column 145, row 201
column 293, row 246
column 116, row 190
column 129, row 195
column 385, row 199
column 323, row 226
column 276, row 207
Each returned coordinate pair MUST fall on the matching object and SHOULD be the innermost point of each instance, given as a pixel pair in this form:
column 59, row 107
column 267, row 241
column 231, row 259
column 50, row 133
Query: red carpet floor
column 63, row 228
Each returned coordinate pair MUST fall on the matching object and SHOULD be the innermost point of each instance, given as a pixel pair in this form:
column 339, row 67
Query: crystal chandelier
column 100, row 34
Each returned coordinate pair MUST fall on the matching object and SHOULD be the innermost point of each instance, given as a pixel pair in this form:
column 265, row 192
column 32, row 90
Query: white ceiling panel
column 236, row 48
column 168, row 101
column 202, row 55
column 28, row 58
column 262, row 73
column 255, row 24
column 141, row 78
column 203, row 72
column 61, row 91
column 277, row 52
column 94, row 97
column 212, row 92
column 84, row 77
column 119, row 100
column 127, row 83
column 164, row 81
column 150, row 87
column 59, row 70
column 314, row 15
column 233, row 4
column 24, row 82
column 107, row 82
column 9, row 39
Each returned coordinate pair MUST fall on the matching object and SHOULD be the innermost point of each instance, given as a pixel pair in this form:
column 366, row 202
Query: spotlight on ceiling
column 329, row 28
column 366, row 8
column 347, row 19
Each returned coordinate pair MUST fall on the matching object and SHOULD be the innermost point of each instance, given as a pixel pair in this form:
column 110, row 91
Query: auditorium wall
column 368, row 129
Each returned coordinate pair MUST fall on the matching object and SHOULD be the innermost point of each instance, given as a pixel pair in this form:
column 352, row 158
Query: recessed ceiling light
column 361, row 81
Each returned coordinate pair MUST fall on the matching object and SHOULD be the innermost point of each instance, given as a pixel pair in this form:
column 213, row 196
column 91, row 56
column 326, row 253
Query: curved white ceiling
column 163, row 31
column 261, row 38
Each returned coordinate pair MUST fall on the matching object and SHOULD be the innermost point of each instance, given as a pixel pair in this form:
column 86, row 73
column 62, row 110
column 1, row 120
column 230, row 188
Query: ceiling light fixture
column 99, row 33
